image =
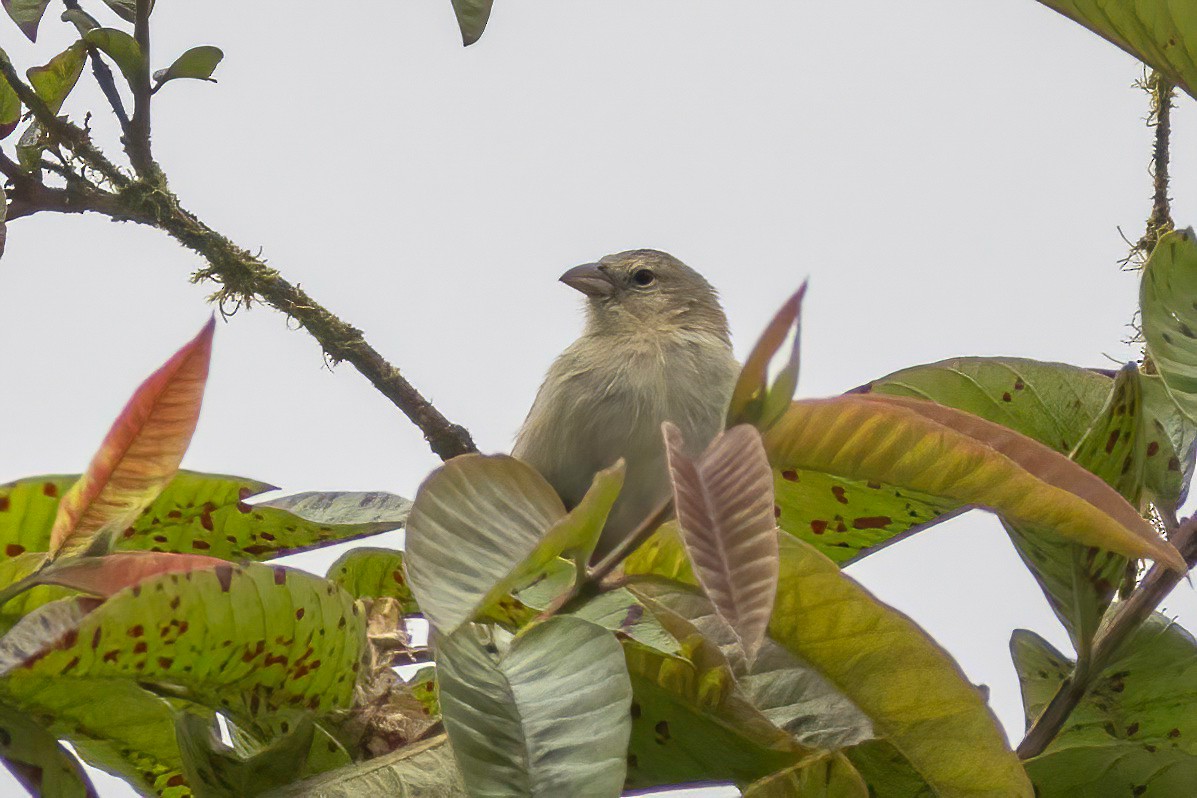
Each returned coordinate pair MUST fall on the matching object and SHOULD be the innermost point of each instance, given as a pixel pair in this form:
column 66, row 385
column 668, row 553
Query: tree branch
column 1129, row 616
column 99, row 69
column 1160, row 220
column 137, row 137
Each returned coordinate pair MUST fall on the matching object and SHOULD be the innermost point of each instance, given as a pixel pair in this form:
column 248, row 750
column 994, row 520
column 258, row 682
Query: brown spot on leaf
column 267, row 536
column 136, row 631
column 3, row 504
column 176, row 780
column 818, row 527
column 224, row 575
column 174, row 514
column 662, row 730
column 1006, row 397
column 13, row 549
column 1174, row 733
column 165, row 662
column 777, row 511
column 635, row 710
column 50, row 489
column 140, row 647
column 1019, row 384
column 280, row 575
column 202, row 545
column 790, row 475
column 872, row 522
column 299, row 614
column 95, row 638
column 1132, row 729
column 206, row 520
column 1173, row 464
column 1153, row 448
column 1112, row 441
column 838, row 492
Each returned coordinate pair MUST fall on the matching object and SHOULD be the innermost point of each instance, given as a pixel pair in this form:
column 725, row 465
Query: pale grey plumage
column 655, row 348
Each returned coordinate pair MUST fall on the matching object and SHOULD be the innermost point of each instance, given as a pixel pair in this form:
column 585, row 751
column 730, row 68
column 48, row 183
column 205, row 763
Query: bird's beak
column 590, row 280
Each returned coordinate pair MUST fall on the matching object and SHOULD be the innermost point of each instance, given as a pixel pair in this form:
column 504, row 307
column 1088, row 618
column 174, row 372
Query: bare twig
column 1128, row 617
column 137, row 138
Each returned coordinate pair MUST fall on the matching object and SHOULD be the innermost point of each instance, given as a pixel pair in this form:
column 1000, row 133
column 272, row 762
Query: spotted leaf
column 1134, row 733
column 910, row 689
column 961, row 459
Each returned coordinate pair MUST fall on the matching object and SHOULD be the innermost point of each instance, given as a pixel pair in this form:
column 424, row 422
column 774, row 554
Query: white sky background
column 949, row 175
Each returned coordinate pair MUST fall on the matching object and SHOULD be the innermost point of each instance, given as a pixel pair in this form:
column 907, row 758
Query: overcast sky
column 950, row 175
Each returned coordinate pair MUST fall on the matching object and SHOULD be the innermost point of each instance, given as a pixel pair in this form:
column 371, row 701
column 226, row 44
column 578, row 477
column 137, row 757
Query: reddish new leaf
column 753, row 400
column 107, row 575
column 140, row 454
column 724, row 503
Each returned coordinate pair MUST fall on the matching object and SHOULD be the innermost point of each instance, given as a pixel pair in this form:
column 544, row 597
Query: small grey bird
column 655, row 348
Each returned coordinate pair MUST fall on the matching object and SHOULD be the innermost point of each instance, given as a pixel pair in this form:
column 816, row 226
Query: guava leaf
column 616, row 610
column 374, row 573
column 208, row 514
column 724, row 503
column 1169, row 318
column 218, row 771
column 125, row 9
column 754, row 401
column 198, row 63
column 38, row 761
column 252, row 639
column 10, row 112
column 54, row 81
column 475, row 532
column 472, row 16
column 829, row 776
column 1055, row 404
column 962, row 459
column 122, row 48
column 139, row 455
column 788, row 692
column 910, row 689
column 546, row 714
column 422, row 769
column 1079, row 581
column 1135, row 731
column 27, row 14
column 1161, row 33
column 690, row 723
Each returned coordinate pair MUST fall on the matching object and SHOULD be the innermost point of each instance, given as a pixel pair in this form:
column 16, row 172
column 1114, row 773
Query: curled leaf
column 753, row 400
column 140, row 454
column 54, row 81
column 121, row 48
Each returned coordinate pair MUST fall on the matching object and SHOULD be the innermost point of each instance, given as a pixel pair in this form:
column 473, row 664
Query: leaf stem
column 137, row 138
column 1156, row 585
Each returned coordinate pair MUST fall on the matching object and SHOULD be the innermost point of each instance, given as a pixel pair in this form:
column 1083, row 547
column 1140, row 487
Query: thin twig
column 596, row 579
column 1129, row 616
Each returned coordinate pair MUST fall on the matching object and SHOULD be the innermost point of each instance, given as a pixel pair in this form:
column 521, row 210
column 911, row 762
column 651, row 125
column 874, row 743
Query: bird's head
column 647, row 290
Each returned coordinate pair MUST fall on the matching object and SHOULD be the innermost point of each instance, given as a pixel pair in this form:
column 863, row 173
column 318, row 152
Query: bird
column 655, row 347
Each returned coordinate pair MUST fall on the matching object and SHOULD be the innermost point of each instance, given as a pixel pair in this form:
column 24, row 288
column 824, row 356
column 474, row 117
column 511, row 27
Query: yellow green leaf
column 945, row 453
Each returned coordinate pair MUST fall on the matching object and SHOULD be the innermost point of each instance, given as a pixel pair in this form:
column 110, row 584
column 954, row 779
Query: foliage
column 139, row 614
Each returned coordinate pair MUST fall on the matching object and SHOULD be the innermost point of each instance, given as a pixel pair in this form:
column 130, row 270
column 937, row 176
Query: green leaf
column 27, row 14
column 422, row 769
column 207, row 514
column 38, row 762
column 54, row 81
column 789, row 693
column 1079, row 581
column 690, row 723
column 724, row 503
column 546, row 714
column 1169, row 317
column 125, row 9
column 1055, row 404
column 1161, row 33
column 476, row 529
column 198, row 63
column 216, row 770
column 1134, row 733
column 10, row 108
column 374, row 573
column 121, row 48
column 753, row 400
column 616, row 610
column 909, row 688
column 829, row 776
column 29, row 147
column 962, row 459
column 113, row 724
column 253, row 639
column 472, row 16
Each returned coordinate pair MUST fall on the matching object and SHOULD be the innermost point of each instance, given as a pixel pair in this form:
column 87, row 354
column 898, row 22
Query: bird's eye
column 643, row 277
